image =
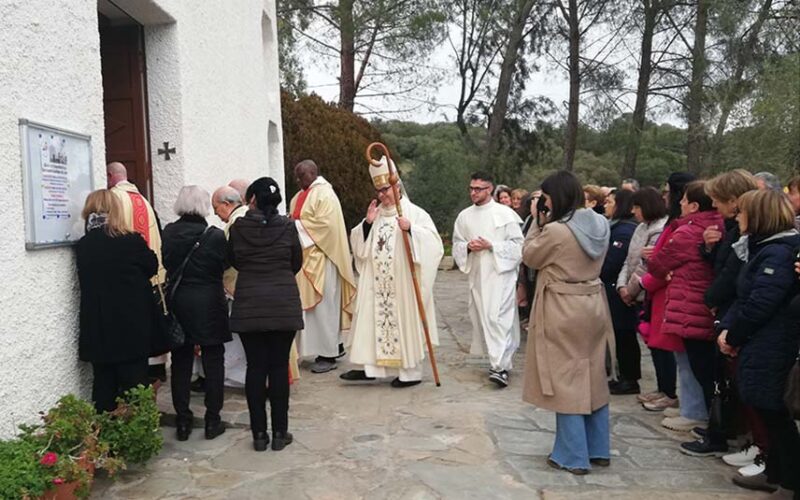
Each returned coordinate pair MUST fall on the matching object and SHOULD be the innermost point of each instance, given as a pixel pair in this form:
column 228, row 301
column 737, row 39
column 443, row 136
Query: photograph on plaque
column 57, row 177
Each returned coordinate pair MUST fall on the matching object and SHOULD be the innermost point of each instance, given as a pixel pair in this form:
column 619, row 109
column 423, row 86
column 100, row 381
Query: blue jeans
column 581, row 437
column 693, row 403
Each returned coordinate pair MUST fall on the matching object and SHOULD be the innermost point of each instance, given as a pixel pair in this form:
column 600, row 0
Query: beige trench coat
column 570, row 325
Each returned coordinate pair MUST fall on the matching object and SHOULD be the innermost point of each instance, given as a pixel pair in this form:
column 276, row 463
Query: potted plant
column 56, row 459
column 67, row 447
column 21, row 474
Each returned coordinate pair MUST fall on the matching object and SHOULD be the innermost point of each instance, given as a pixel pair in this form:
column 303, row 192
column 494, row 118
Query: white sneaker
column 754, row 469
column 746, row 456
column 681, row 424
column 672, row 412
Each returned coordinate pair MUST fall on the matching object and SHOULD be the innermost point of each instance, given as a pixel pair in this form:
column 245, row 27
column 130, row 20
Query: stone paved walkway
column 464, row 440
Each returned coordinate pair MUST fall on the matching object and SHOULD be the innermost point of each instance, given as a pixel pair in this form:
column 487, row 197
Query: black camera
column 541, row 206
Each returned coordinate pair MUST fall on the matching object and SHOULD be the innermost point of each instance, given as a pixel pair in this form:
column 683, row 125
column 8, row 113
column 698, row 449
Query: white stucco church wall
column 212, row 78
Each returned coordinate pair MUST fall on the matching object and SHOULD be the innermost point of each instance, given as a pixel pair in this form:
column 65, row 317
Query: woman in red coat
column 686, row 315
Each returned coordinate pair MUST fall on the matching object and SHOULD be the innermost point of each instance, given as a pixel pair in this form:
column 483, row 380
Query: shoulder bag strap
column 179, row 271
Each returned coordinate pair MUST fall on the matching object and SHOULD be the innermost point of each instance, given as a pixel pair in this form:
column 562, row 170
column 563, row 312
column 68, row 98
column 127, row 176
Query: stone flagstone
column 464, row 440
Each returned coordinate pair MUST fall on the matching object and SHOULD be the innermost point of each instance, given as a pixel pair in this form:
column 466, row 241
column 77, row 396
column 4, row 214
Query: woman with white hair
column 194, row 256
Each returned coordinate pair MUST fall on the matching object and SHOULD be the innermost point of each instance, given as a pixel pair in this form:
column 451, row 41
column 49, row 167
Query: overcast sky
column 321, row 72
column 322, row 79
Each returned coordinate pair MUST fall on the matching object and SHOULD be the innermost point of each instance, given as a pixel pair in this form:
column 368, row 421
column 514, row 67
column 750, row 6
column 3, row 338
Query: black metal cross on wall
column 166, row 151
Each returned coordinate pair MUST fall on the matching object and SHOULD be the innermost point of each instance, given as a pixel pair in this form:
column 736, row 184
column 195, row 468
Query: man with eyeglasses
column 326, row 283
column 487, row 245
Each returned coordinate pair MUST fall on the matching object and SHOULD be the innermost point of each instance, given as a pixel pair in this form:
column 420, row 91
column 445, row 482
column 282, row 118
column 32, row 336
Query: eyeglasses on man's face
column 478, row 189
column 383, row 190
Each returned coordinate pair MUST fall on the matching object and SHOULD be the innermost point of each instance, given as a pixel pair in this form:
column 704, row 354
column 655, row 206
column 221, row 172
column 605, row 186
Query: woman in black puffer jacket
column 265, row 248
column 760, row 329
column 200, row 306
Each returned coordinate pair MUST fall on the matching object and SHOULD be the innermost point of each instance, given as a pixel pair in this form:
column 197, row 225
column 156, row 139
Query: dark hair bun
column 267, row 193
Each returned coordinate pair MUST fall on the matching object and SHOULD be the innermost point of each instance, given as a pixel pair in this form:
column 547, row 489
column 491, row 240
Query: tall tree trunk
column 507, row 68
column 736, row 87
column 347, row 55
column 696, row 131
column 571, row 135
column 651, row 9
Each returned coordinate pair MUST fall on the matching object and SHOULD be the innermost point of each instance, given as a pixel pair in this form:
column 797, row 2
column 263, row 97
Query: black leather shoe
column 397, row 383
column 355, row 375
column 214, row 429
column 260, row 441
column 281, row 440
column 182, row 432
column 602, row 462
column 624, row 387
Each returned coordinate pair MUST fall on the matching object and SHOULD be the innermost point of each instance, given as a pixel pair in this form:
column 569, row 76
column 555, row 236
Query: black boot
column 624, row 387
column 214, row 429
column 183, row 430
column 281, row 440
column 260, row 441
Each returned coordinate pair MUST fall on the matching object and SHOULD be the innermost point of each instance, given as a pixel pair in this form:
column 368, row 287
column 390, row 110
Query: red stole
column 141, row 219
column 298, row 206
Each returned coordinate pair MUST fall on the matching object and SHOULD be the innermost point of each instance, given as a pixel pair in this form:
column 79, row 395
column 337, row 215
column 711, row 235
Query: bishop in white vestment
column 487, row 245
column 387, row 336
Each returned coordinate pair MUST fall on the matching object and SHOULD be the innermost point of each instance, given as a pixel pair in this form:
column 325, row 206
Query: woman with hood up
column 570, row 325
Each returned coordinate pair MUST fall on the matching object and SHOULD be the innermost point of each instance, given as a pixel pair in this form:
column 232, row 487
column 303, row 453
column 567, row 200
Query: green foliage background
column 336, row 140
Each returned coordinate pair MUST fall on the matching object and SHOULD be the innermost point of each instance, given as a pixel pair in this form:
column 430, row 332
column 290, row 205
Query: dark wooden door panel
column 124, row 105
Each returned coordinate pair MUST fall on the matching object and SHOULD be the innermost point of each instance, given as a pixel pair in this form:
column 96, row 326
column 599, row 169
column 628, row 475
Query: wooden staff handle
column 393, row 180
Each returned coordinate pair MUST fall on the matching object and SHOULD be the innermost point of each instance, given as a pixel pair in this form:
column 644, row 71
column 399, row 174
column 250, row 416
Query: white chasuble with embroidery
column 387, row 329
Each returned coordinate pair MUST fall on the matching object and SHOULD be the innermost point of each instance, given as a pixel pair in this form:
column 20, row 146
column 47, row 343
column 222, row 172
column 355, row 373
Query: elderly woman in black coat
column 199, row 305
column 760, row 328
column 114, row 271
column 265, row 248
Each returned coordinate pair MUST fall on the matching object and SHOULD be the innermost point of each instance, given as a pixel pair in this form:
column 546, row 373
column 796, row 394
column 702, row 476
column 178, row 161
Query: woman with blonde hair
column 517, row 196
column 114, row 271
column 595, row 198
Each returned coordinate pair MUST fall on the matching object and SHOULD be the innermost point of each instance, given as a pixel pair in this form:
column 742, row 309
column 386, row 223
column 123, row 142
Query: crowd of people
column 703, row 271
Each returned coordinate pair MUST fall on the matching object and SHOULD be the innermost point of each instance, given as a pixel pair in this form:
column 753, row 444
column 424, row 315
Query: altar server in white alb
column 487, row 245
column 387, row 336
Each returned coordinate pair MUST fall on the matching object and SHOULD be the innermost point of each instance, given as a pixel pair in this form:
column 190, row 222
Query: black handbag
column 168, row 333
column 722, row 413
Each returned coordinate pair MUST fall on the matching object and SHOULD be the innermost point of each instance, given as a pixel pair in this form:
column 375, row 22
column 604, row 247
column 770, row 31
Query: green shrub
column 336, row 140
column 21, row 474
column 132, row 429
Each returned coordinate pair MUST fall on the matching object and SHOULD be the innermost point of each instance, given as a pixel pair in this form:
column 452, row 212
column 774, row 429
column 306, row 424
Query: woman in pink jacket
column 686, row 315
column 662, row 346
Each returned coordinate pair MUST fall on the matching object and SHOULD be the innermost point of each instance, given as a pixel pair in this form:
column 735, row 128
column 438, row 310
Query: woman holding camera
column 570, row 325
